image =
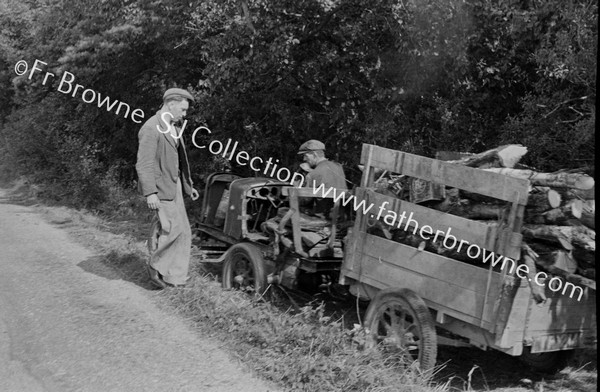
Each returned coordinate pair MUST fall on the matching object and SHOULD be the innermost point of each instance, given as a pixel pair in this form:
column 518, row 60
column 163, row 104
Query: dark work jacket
column 160, row 161
column 331, row 175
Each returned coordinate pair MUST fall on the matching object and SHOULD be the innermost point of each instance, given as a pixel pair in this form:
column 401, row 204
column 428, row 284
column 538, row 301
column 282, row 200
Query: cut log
column 588, row 213
column 503, row 156
column 566, row 215
column 575, row 208
column 585, row 258
column 546, row 263
column 541, row 248
column 511, row 154
column 408, row 238
column 470, row 210
column 566, row 236
column 589, row 273
column 559, row 259
column 546, row 233
column 573, row 278
column 583, row 194
column 558, row 179
column 543, row 199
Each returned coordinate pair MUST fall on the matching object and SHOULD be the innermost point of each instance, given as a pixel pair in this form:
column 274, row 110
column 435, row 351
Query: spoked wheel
column 400, row 324
column 243, row 269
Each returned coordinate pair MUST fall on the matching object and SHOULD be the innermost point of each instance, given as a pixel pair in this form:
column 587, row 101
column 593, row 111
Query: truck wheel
column 399, row 323
column 244, row 269
column 550, row 362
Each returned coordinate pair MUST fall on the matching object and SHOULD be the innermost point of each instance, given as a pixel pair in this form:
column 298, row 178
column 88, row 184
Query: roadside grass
column 303, row 350
column 300, row 350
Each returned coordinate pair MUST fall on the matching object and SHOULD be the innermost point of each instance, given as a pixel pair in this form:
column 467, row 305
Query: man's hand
column 153, row 201
column 195, row 195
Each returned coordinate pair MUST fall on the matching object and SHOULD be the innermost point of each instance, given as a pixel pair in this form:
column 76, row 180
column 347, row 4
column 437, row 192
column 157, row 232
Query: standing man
column 324, row 171
column 163, row 170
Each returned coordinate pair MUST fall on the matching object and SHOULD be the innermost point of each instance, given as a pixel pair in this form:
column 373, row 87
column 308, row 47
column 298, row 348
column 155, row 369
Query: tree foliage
column 419, row 76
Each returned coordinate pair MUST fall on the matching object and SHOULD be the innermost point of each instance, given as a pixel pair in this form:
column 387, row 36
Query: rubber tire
column 550, row 362
column 253, row 257
column 409, row 301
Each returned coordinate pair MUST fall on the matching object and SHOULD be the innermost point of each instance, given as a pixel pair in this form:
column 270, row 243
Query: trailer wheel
column 244, row 269
column 550, row 362
column 399, row 323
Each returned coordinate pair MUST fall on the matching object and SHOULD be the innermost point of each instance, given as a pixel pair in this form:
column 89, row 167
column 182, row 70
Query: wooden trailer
column 414, row 291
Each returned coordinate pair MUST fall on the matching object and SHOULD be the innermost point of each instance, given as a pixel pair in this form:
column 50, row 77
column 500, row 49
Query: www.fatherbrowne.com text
column 474, row 251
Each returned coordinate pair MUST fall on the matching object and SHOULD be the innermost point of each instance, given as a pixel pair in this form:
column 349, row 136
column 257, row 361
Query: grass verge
column 301, row 350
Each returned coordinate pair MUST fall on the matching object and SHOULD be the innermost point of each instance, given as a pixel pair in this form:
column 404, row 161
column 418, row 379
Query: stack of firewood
column 558, row 229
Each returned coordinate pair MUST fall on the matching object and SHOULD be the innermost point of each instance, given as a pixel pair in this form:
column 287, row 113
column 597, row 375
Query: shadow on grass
column 113, row 265
column 490, row 370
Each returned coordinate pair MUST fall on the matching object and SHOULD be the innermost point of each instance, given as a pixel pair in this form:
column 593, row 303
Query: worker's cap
column 311, row 145
column 178, row 92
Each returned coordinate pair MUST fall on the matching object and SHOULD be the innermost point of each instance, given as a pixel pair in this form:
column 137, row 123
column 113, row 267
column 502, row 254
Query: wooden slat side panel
column 510, row 308
column 558, row 318
column 478, row 233
column 352, row 260
column 467, row 178
column 433, row 305
column 438, row 279
column 560, row 313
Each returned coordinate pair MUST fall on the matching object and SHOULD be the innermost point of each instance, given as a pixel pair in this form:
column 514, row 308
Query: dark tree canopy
column 419, row 76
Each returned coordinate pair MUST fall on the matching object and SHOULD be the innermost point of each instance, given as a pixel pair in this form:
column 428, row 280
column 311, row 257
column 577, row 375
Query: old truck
column 418, row 299
column 253, row 226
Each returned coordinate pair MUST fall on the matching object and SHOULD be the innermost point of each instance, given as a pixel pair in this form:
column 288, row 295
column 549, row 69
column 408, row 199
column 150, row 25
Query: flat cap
column 311, row 145
column 173, row 92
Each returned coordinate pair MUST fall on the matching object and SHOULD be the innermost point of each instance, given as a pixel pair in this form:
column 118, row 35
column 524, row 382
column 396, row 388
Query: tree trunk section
column 561, row 180
column 503, row 156
column 588, row 214
column 542, row 199
column 567, row 215
column 566, row 236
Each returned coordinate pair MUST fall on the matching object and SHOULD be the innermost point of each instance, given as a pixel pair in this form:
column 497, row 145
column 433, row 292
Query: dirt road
column 65, row 329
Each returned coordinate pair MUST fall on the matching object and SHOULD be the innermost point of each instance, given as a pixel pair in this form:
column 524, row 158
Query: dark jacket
column 331, row 175
column 160, row 160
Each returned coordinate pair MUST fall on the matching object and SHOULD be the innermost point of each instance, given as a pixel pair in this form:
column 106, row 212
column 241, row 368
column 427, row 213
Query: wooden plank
column 217, row 233
column 352, row 260
column 334, row 219
column 510, row 309
column 559, row 316
column 367, row 177
column 510, row 246
column 436, row 306
column 467, row 178
column 439, row 292
column 560, row 313
column 478, row 233
column 456, row 285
